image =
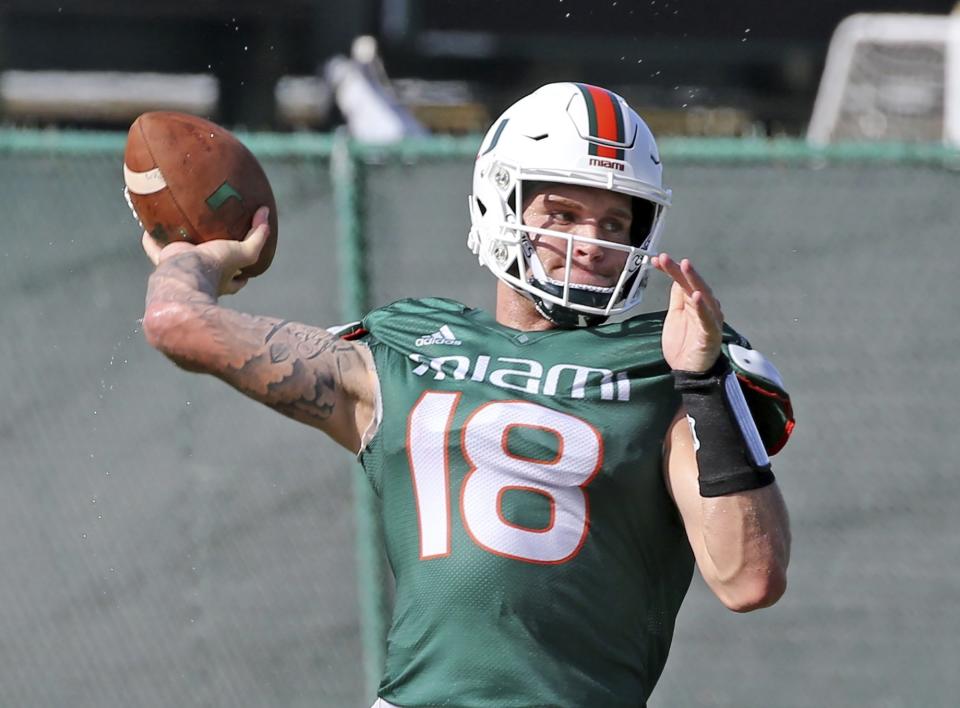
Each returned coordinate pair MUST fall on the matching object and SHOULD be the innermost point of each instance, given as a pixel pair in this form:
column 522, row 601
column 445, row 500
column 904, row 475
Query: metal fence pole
column 347, row 173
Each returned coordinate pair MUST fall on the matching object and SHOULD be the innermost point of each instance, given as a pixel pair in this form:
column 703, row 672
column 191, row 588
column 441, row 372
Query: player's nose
column 586, row 245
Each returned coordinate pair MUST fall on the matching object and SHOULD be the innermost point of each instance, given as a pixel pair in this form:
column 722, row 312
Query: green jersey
column 539, row 559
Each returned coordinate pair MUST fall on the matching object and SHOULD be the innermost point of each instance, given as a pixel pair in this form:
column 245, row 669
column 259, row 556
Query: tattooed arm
column 301, row 371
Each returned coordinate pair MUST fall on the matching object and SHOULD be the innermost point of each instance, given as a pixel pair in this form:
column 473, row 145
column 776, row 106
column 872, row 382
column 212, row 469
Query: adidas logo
column 444, row 335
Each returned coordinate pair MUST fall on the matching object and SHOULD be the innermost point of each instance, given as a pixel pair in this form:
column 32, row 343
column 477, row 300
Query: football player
column 548, row 478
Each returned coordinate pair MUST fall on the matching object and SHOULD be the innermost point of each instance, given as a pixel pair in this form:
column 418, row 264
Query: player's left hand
column 693, row 328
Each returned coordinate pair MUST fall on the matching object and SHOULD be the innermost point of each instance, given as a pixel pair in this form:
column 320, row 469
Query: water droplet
column 245, row 47
column 796, row 319
column 83, row 535
column 93, row 501
column 567, row 15
column 639, row 61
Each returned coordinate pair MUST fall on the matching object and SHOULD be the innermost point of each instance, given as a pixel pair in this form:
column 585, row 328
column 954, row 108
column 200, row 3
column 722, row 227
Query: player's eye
column 560, row 216
column 613, row 226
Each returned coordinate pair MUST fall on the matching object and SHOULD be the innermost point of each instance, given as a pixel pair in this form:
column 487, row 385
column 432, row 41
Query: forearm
column 741, row 540
column 745, row 546
column 301, row 371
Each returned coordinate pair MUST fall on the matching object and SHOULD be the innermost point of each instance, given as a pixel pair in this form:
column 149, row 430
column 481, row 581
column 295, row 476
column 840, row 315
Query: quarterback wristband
column 730, row 454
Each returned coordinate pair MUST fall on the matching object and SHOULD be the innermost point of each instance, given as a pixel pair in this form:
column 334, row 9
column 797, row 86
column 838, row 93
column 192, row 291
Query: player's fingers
column 151, row 248
column 260, row 218
column 700, row 285
column 706, row 313
column 669, row 266
column 677, row 297
column 694, row 278
column 254, row 243
column 257, row 237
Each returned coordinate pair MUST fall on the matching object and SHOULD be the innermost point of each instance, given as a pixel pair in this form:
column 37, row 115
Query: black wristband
column 730, row 455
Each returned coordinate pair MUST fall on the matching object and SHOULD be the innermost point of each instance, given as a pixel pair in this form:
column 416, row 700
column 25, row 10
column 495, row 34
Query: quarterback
column 549, row 473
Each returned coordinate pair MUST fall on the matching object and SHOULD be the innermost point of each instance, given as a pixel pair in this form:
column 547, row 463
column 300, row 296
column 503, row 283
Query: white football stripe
column 144, row 182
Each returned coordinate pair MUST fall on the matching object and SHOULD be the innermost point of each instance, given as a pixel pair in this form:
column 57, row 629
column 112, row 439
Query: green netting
column 166, row 542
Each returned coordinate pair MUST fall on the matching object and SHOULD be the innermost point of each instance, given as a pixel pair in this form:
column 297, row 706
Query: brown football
column 188, row 179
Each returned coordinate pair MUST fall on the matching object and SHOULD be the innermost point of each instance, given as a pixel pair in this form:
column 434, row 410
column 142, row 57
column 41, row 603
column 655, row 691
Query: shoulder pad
column 766, row 396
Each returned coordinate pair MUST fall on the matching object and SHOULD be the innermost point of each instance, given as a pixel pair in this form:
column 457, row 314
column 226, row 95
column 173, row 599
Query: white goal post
column 890, row 77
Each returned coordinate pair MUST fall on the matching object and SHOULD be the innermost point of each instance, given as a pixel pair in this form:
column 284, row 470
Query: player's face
column 588, row 213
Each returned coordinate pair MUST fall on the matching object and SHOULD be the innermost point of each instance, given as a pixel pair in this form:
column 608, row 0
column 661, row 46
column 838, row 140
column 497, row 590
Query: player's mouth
column 585, row 276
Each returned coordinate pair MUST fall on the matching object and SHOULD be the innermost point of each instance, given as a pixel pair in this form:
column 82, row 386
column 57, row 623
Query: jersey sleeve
column 764, row 390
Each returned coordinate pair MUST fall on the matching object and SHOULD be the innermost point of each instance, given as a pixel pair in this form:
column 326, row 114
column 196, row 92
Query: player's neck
column 518, row 312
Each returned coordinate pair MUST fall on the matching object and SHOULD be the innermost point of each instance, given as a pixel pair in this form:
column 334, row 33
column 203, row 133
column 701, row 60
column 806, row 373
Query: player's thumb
column 258, row 235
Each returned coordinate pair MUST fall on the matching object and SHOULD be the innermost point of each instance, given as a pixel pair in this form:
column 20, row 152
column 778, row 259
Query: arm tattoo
column 301, row 371
column 184, row 278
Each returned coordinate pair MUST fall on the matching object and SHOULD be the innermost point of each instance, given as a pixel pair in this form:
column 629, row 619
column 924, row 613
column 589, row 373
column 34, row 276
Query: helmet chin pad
column 588, row 295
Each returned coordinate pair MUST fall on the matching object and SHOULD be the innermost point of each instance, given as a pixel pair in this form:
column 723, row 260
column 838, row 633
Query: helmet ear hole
column 482, row 207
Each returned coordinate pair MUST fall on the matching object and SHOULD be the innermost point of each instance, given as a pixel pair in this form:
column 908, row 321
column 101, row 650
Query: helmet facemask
column 576, row 135
column 566, row 303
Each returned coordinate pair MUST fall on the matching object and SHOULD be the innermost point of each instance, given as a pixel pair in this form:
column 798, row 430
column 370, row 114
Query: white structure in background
column 104, row 95
column 890, row 77
column 365, row 98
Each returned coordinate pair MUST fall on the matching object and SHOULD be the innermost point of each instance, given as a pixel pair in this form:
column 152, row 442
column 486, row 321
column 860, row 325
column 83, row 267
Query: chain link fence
column 165, row 542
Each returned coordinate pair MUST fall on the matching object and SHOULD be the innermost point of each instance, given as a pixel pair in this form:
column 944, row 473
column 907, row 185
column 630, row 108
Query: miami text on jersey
column 527, row 375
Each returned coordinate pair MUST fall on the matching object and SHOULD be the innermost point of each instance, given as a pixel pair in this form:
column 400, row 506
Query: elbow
column 171, row 328
column 755, row 592
column 160, row 323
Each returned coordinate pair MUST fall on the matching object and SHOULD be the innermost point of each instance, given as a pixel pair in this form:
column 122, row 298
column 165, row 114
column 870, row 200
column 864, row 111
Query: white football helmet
column 574, row 134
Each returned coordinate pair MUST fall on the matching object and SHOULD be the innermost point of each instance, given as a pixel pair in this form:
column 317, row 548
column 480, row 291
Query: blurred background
column 692, row 69
column 166, row 543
